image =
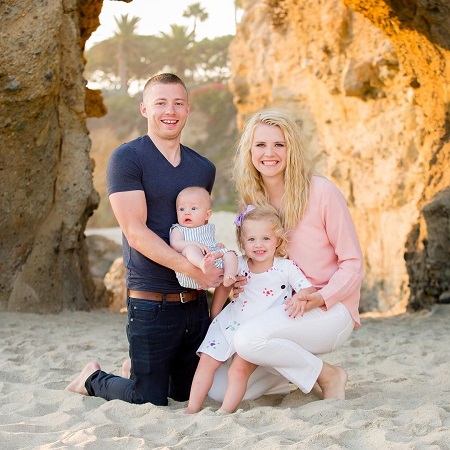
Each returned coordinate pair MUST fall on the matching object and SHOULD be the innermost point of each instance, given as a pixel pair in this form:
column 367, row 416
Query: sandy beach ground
column 398, row 393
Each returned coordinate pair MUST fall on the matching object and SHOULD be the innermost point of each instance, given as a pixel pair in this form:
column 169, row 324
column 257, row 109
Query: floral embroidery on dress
column 268, row 292
column 213, row 344
column 233, row 326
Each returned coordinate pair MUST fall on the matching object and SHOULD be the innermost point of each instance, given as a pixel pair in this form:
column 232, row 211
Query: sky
column 157, row 16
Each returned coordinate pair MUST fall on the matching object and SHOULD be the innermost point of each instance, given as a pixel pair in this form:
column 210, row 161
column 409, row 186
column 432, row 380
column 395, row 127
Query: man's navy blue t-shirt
column 139, row 166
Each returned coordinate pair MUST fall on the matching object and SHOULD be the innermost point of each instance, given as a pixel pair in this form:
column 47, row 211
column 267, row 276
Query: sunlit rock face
column 46, row 175
column 369, row 83
column 368, row 80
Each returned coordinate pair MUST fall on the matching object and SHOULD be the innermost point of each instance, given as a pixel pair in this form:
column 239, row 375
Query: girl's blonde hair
column 269, row 214
column 298, row 172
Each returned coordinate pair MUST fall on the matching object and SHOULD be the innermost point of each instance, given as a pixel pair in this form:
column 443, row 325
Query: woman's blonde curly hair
column 269, row 214
column 297, row 176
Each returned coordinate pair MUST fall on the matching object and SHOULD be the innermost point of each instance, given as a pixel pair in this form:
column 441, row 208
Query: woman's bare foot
column 316, row 389
column 190, row 410
column 332, row 381
column 126, row 368
column 228, row 280
column 77, row 385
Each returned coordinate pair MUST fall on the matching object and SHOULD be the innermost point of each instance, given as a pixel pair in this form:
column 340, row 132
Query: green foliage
column 130, row 59
column 211, row 59
column 176, row 46
column 123, row 116
column 215, row 102
column 127, row 57
column 143, row 56
column 198, row 13
column 126, row 27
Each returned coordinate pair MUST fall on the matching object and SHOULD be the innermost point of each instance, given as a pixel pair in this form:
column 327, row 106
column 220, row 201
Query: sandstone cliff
column 46, row 183
column 369, row 82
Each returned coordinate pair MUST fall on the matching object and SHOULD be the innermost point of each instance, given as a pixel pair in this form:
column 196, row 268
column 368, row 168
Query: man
column 166, row 323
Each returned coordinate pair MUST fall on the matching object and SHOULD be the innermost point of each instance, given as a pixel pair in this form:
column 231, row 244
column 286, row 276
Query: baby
column 194, row 237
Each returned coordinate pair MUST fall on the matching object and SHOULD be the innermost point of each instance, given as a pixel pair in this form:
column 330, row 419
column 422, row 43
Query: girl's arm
column 219, row 298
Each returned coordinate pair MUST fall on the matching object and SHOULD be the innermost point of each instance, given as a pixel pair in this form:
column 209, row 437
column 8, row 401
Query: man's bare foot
column 126, row 368
column 77, row 385
column 228, row 280
column 332, row 381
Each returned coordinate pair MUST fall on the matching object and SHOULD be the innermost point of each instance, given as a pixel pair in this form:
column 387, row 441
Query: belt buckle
column 182, row 297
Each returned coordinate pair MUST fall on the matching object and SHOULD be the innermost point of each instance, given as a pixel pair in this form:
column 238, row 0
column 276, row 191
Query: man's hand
column 238, row 286
column 210, row 278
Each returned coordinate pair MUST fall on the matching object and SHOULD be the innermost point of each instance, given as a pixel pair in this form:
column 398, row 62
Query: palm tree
column 176, row 49
column 126, row 31
column 198, row 13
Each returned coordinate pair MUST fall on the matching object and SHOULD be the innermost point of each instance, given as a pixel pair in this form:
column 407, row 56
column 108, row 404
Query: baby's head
column 261, row 220
column 193, row 207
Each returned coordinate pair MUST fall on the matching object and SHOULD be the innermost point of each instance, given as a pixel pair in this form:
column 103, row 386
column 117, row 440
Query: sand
column 398, row 393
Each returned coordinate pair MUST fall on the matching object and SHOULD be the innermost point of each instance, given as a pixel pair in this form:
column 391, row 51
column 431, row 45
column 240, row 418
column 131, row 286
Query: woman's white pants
column 284, row 349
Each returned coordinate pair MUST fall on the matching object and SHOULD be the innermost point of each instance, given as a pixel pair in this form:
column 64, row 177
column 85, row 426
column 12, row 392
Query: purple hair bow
column 241, row 216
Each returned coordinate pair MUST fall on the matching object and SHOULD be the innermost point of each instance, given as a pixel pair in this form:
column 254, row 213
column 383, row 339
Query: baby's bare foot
column 77, row 385
column 207, row 263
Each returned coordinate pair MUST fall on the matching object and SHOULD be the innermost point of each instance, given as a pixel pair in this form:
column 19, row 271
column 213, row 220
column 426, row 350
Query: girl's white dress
column 261, row 292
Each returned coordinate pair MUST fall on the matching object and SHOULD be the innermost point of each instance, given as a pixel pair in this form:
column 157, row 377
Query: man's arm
column 130, row 209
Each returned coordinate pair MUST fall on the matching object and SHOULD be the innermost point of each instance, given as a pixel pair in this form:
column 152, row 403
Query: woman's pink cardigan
column 326, row 248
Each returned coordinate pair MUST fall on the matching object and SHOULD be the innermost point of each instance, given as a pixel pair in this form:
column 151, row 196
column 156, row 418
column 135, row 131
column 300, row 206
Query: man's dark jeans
column 163, row 339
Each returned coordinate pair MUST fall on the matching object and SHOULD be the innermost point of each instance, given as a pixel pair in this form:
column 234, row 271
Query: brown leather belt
column 181, row 297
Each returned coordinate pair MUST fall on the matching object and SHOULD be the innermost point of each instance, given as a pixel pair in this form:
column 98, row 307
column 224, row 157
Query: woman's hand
column 238, row 286
column 303, row 301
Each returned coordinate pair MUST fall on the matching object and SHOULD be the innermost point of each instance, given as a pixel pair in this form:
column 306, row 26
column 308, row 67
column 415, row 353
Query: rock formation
column 369, row 83
column 368, row 80
column 46, row 183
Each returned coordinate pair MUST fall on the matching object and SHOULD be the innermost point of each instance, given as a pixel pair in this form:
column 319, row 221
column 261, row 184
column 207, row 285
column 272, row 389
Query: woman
column 271, row 166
